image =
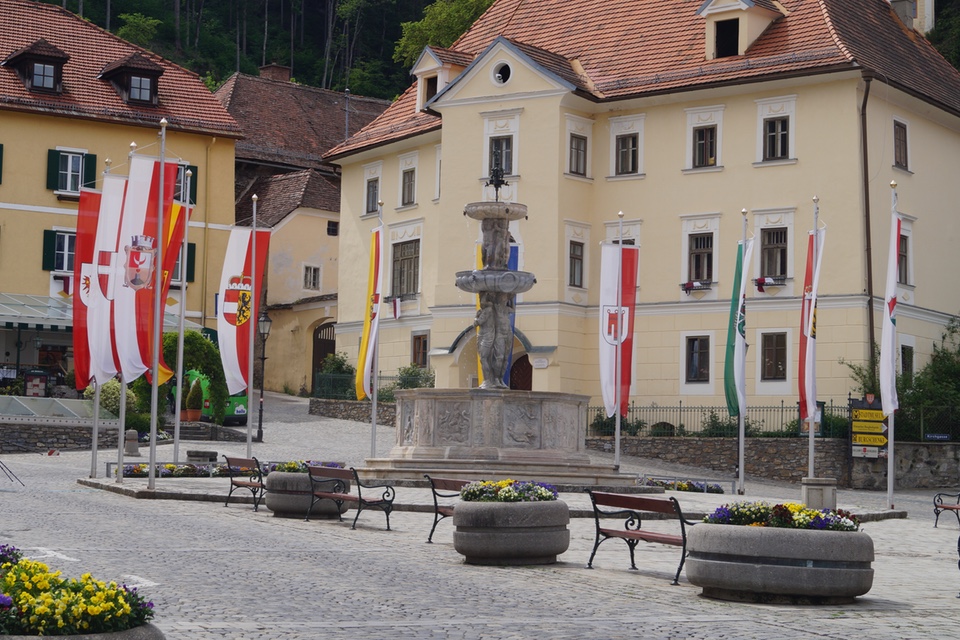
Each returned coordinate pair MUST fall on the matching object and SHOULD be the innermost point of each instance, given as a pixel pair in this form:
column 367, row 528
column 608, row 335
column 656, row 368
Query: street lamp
column 263, row 327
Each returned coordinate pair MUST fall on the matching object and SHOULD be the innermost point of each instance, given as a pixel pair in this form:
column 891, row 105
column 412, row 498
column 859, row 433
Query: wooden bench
column 245, row 473
column 631, row 507
column 331, row 483
column 939, row 506
column 443, row 488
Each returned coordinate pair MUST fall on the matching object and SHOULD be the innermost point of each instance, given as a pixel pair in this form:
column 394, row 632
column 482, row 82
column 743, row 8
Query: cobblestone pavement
column 229, row 572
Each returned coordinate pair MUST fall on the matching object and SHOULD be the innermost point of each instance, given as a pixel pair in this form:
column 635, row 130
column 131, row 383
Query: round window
column 501, row 73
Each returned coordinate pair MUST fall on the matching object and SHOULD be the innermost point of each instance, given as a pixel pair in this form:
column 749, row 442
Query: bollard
column 131, row 444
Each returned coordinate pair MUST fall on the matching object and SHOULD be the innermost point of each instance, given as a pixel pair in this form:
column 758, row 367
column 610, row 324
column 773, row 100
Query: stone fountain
column 492, row 431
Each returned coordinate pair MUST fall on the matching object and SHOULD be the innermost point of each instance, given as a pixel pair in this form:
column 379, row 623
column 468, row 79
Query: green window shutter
column 191, row 259
column 53, row 169
column 1, row 164
column 49, row 249
column 89, row 170
column 193, row 183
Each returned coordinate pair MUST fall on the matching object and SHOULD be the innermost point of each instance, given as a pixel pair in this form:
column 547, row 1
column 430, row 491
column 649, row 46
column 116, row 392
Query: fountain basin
column 495, row 210
column 513, row 282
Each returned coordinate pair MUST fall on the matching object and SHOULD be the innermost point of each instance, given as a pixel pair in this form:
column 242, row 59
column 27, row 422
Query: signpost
column 869, row 434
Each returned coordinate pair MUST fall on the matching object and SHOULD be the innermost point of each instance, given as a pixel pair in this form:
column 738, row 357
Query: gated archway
column 324, row 344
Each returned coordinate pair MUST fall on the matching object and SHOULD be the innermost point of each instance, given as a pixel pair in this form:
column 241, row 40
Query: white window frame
column 407, row 162
column 906, row 230
column 907, row 340
column 398, row 234
column 438, row 149
column 65, row 232
column 697, row 388
column 582, row 127
column 313, row 268
column 704, row 117
column 67, row 152
column 372, row 171
column 180, row 191
column 697, row 224
column 773, row 108
column 136, row 93
column 622, row 126
column 577, row 231
column 768, row 219
column 498, row 124
column 906, row 125
column 784, row 387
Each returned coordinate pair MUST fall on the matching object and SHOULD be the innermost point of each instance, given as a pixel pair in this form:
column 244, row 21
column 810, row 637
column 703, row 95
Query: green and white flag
column 734, row 366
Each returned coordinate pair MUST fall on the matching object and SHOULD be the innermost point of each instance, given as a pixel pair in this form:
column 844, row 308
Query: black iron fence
column 342, row 386
column 778, row 421
column 927, row 424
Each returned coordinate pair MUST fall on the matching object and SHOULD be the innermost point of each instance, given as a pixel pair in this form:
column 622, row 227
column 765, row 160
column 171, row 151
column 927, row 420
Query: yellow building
column 681, row 115
column 74, row 98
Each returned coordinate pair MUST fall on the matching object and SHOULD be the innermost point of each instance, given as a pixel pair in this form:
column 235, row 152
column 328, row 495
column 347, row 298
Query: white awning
column 55, row 313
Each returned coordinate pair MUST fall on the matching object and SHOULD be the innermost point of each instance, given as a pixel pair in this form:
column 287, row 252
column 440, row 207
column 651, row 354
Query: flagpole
column 742, row 418
column 122, row 431
column 93, row 438
column 252, row 320
column 890, row 359
column 157, row 316
column 376, row 353
column 617, row 374
column 183, row 312
column 811, row 389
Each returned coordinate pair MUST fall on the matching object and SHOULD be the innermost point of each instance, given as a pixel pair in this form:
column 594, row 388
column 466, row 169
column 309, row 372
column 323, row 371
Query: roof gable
column 280, row 195
column 554, row 72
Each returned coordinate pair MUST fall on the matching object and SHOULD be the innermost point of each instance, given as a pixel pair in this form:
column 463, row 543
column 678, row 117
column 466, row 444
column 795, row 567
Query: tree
column 945, row 35
column 443, row 22
column 138, row 28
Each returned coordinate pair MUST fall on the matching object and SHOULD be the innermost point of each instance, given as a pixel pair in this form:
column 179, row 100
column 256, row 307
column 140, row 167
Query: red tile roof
column 290, row 124
column 279, row 195
column 183, row 98
column 632, row 49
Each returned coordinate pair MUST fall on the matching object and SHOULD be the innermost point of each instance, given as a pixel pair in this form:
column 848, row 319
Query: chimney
column 274, row 71
column 906, row 9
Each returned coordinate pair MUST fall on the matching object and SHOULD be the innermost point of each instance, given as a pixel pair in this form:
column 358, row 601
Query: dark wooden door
column 521, row 374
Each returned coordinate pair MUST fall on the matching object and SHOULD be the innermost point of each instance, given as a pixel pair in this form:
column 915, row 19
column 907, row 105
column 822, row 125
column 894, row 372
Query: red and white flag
column 888, row 336
column 367, row 361
column 235, row 320
column 87, row 214
column 136, row 257
column 100, row 280
column 618, row 297
column 807, row 374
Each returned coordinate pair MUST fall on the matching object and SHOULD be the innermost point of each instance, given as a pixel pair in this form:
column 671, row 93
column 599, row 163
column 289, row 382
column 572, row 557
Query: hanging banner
column 618, row 265
column 367, row 361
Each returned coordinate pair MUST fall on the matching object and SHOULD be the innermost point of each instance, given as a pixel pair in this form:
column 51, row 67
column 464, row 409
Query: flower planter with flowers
column 289, row 493
column 37, row 602
column 755, row 552
column 510, row 523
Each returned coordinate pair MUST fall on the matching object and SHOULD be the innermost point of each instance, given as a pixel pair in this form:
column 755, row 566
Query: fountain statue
column 493, row 431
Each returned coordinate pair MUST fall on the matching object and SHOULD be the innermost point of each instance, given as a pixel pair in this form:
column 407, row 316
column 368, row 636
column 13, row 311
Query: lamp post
column 263, row 327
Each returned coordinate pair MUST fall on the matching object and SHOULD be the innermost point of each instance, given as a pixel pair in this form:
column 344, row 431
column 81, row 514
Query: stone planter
column 288, row 496
column 767, row 564
column 143, row 632
column 511, row 533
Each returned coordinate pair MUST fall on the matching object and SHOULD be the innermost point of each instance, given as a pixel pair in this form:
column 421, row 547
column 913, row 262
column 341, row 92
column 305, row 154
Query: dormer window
column 134, row 78
column 728, row 37
column 430, row 89
column 39, row 66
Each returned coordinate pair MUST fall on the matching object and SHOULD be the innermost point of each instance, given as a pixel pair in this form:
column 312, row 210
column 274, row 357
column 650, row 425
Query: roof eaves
column 335, row 155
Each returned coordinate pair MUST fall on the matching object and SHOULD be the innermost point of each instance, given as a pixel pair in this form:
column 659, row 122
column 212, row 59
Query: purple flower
column 5, row 601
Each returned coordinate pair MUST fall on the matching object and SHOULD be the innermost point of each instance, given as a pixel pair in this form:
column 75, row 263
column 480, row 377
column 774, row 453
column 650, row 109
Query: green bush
column 138, row 421
column 415, row 377
column 604, row 426
column 195, row 397
column 110, row 397
column 200, row 354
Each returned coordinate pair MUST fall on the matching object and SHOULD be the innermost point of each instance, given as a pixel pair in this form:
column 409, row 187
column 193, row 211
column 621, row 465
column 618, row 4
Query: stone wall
column 23, row 438
column 918, row 466
column 782, row 459
column 354, row 410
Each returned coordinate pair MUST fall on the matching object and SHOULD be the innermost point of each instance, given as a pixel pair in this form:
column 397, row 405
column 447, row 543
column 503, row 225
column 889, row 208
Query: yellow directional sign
column 860, row 426
column 869, row 439
column 868, row 414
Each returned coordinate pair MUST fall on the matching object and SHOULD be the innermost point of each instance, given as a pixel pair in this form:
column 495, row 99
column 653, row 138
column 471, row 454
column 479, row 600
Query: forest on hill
column 368, row 46
column 333, row 44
